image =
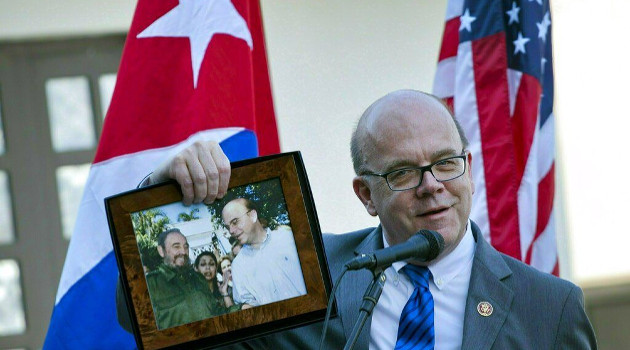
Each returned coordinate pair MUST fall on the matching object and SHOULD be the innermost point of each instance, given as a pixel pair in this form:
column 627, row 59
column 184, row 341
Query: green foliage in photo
column 148, row 224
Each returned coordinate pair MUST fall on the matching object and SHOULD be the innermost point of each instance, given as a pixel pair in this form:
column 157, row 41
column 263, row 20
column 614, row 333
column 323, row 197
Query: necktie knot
column 419, row 275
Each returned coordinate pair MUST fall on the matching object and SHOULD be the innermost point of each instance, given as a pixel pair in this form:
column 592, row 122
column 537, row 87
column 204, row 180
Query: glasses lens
column 443, row 170
column 448, row 169
column 404, row 179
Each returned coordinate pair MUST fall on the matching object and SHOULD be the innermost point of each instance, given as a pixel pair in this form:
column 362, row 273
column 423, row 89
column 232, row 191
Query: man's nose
column 429, row 184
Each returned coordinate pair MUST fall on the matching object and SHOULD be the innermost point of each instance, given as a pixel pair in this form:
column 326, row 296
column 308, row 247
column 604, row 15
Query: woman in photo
column 206, row 264
column 225, row 263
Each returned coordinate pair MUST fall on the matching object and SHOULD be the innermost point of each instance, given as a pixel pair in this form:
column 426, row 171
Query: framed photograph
column 244, row 266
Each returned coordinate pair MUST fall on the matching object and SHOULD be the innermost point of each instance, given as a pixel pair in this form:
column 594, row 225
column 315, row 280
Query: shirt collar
column 451, row 265
column 264, row 242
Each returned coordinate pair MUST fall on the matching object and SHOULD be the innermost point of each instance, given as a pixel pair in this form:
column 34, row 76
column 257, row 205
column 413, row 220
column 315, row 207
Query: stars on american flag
column 526, row 25
column 521, row 35
column 466, row 21
column 543, row 27
column 513, row 13
column 519, row 43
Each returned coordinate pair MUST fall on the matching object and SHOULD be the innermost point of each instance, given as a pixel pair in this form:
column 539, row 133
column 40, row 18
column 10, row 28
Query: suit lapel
column 486, row 285
column 354, row 287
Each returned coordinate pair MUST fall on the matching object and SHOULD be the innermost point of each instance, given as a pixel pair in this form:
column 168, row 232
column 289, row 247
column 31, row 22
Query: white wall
column 592, row 74
column 329, row 60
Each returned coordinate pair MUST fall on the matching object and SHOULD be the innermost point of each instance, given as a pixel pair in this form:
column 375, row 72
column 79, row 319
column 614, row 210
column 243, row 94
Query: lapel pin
column 484, row 308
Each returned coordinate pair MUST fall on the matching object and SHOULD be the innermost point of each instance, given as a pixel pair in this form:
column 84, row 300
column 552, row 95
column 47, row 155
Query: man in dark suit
column 413, row 172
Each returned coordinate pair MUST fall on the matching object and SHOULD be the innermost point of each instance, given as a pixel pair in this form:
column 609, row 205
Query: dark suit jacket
column 532, row 310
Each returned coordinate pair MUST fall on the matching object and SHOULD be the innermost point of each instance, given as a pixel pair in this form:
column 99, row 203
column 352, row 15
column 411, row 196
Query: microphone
column 424, row 245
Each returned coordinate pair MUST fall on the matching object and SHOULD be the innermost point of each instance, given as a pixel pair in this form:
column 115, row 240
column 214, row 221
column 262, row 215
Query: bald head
column 240, row 217
column 398, row 110
column 400, row 135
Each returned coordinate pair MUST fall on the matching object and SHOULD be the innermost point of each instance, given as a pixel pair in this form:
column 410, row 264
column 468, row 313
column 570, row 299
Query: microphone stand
column 370, row 298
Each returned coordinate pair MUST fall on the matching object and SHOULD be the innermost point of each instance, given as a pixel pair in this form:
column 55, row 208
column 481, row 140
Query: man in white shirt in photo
column 267, row 269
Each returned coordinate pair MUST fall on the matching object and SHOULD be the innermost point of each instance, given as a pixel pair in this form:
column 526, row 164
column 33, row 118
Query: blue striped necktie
column 415, row 328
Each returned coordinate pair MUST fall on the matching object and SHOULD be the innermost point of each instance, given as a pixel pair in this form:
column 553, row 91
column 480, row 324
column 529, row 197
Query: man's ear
column 364, row 193
column 470, row 177
column 160, row 250
column 254, row 215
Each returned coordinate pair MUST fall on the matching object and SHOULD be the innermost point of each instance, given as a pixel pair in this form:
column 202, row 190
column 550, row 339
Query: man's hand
column 202, row 170
column 223, row 287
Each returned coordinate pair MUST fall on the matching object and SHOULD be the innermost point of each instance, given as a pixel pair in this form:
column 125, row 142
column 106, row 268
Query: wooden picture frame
column 133, row 215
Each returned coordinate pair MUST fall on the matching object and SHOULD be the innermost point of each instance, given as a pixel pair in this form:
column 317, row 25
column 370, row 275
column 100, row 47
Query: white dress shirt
column 269, row 273
column 449, row 287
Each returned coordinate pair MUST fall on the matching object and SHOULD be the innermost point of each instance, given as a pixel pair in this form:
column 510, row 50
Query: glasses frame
column 423, row 169
column 236, row 221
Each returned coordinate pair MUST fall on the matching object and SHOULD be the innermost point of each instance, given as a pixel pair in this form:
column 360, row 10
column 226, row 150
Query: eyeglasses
column 407, row 178
column 236, row 221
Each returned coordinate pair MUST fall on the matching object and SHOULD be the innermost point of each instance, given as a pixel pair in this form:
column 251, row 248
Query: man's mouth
column 434, row 211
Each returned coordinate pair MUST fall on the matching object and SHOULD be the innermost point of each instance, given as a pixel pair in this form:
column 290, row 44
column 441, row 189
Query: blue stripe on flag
column 85, row 317
column 240, row 146
column 88, row 311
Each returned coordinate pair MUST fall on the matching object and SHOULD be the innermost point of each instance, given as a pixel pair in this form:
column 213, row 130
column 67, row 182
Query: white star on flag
column 513, row 13
column 543, row 26
column 199, row 21
column 466, row 20
column 519, row 43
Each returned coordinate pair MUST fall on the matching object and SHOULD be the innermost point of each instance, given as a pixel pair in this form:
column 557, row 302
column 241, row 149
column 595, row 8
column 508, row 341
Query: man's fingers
column 178, row 170
column 223, row 168
column 211, row 173
column 202, row 170
column 199, row 179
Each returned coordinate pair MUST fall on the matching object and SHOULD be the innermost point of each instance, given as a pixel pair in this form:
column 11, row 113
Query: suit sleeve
column 575, row 330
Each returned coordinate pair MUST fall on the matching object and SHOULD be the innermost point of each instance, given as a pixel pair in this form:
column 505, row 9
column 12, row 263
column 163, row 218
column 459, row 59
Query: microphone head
column 436, row 243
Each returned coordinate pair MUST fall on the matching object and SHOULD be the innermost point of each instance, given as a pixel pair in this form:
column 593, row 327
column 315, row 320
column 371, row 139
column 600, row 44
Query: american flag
column 495, row 71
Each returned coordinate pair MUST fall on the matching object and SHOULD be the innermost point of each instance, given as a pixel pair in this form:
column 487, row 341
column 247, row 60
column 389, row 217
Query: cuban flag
column 190, row 70
column 495, row 71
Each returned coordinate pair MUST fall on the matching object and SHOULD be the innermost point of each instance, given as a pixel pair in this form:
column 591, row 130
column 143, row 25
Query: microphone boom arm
column 370, row 298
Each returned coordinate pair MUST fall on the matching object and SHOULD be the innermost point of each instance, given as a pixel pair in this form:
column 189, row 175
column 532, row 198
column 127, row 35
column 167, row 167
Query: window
column 53, row 98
